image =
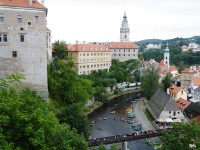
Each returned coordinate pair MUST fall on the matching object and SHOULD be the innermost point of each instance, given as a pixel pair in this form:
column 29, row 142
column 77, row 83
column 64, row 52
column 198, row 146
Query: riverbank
column 97, row 104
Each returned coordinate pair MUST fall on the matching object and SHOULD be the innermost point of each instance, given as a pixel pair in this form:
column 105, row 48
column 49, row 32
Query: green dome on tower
column 167, row 49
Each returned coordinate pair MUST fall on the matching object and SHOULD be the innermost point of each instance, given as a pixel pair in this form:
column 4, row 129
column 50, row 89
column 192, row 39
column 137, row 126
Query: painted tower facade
column 166, row 57
column 124, row 30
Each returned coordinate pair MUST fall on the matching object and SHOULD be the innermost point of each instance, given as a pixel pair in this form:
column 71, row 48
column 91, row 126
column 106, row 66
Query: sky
column 100, row 20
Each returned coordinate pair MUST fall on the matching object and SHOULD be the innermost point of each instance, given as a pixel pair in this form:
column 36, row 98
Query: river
column 114, row 125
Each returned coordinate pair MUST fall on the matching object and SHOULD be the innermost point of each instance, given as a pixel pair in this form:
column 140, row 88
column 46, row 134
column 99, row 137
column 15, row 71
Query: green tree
column 166, row 82
column 181, row 136
column 27, row 122
column 70, row 93
column 150, row 81
column 113, row 147
column 60, row 48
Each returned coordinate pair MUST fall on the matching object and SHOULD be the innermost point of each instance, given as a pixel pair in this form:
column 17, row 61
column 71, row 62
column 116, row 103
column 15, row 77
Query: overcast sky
column 100, row 20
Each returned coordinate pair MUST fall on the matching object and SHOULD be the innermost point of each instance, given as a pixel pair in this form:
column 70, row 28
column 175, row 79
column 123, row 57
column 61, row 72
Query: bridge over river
column 114, row 128
column 124, row 138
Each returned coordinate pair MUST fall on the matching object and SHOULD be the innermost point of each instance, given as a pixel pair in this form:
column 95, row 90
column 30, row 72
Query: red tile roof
column 175, row 89
column 161, row 71
column 172, row 68
column 22, row 3
column 88, row 48
column 122, row 45
column 182, row 103
column 162, row 63
column 188, row 70
column 196, row 81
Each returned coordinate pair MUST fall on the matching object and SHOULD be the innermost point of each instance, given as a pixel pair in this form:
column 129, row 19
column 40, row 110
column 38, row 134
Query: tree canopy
column 150, row 81
column 181, row 136
column 27, row 122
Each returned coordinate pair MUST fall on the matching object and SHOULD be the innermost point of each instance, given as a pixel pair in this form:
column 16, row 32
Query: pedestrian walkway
column 141, row 117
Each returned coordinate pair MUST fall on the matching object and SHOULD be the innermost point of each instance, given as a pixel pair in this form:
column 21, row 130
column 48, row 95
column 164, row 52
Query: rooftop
column 175, row 89
column 22, row 3
column 87, row 48
column 122, row 45
column 182, row 103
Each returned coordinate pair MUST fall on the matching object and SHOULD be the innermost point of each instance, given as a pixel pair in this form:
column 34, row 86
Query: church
column 163, row 66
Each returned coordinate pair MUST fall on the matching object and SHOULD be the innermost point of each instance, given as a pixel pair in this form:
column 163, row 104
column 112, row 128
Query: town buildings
column 192, row 47
column 23, row 42
column 187, row 75
column 152, row 46
column 163, row 66
column 90, row 57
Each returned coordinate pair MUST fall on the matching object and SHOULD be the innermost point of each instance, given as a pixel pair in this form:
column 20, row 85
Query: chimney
column 168, row 91
column 30, row 2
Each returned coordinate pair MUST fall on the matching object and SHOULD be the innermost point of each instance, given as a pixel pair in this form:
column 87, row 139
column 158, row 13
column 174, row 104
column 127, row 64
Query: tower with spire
column 124, row 30
column 166, row 57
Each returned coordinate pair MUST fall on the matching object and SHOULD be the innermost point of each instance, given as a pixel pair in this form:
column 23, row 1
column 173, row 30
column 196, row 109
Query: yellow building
column 90, row 57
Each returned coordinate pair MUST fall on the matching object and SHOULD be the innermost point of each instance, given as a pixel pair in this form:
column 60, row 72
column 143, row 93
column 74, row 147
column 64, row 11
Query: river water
column 114, row 125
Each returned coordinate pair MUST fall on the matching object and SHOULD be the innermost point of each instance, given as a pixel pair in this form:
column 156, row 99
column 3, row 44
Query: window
column 29, row 23
column 36, row 19
column 1, row 17
column 19, row 18
column 21, row 29
column 14, row 53
column 21, row 38
column 3, row 38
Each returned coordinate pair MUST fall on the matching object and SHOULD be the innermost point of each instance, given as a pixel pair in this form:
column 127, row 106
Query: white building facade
column 23, row 42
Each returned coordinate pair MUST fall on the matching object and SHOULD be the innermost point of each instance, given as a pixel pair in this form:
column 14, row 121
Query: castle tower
column 166, row 57
column 124, row 30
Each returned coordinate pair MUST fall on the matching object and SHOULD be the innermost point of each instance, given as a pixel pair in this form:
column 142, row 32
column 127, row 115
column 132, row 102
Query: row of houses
column 166, row 108
column 192, row 46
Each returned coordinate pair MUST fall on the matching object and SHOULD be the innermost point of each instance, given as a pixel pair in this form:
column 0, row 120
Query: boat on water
column 112, row 112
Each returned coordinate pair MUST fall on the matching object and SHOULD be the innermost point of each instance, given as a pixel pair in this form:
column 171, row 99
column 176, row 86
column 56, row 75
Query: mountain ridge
column 157, row 41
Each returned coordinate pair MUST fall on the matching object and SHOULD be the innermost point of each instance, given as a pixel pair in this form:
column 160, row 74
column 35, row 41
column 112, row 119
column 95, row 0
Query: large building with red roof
column 24, row 42
column 90, row 57
column 123, row 51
